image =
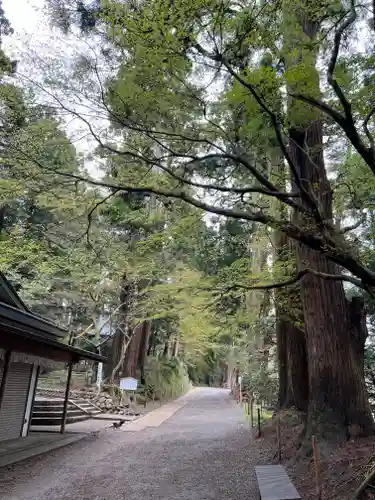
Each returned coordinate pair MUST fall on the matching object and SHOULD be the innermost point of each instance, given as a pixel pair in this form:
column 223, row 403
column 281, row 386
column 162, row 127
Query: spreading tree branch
column 152, row 134
column 333, row 60
column 369, row 135
column 313, row 240
column 346, row 120
column 90, row 214
column 305, row 195
column 346, row 229
column 347, row 126
column 298, row 277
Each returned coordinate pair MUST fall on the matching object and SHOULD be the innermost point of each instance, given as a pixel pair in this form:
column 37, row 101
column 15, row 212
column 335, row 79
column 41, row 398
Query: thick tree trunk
column 290, row 339
column 282, row 359
column 298, row 383
column 130, row 364
column 357, row 315
column 292, row 358
column 338, row 403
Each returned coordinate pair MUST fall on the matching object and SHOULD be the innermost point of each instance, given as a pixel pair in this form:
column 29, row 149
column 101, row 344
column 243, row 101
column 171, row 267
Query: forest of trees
column 219, row 208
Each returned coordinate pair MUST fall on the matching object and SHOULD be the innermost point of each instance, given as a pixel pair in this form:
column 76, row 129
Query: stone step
column 71, row 407
column 84, row 405
column 48, row 402
column 49, row 411
column 53, row 414
column 60, row 402
column 53, row 408
column 88, row 408
column 57, row 420
column 83, row 402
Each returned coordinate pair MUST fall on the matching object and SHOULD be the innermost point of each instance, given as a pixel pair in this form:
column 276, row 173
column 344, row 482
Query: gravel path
column 203, row 452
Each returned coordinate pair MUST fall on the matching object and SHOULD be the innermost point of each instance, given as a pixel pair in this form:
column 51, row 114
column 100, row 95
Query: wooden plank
column 274, row 483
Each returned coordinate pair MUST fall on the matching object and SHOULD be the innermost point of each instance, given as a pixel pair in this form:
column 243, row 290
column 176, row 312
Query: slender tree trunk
column 153, row 341
column 175, row 347
column 167, row 352
column 231, row 366
column 3, row 213
column 143, row 349
column 151, row 345
column 114, row 354
column 166, row 349
column 119, row 337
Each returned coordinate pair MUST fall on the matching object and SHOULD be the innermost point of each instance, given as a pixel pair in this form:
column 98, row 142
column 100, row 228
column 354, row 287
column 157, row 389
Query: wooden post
column 278, row 438
column 316, row 464
column 3, row 380
column 259, row 430
column 252, row 413
column 67, row 389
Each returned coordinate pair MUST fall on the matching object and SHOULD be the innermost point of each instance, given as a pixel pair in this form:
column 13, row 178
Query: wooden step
column 274, row 483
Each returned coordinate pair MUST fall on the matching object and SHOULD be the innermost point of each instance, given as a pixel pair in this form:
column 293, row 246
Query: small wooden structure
column 274, row 483
column 28, row 343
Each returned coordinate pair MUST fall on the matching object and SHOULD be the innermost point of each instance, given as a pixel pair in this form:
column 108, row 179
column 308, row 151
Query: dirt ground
column 340, row 474
column 202, row 452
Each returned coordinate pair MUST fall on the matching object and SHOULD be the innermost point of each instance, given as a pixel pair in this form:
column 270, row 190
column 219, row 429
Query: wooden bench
column 274, row 483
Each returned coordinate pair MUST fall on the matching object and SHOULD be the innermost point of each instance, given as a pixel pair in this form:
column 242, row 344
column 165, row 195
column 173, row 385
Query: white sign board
column 128, row 384
column 99, row 375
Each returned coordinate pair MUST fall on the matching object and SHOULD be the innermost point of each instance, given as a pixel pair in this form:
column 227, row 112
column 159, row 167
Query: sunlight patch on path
column 154, row 418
